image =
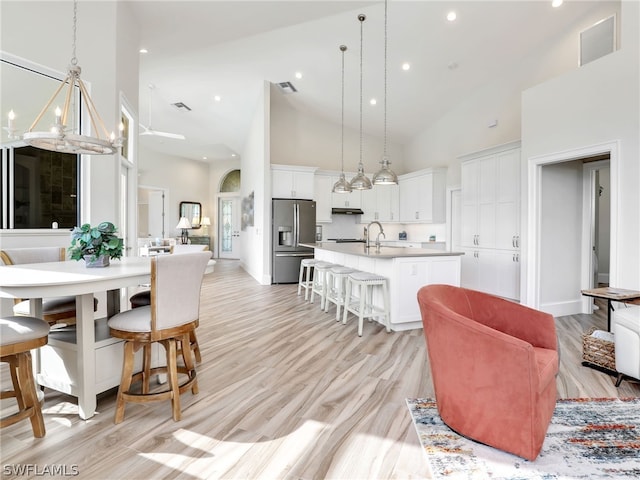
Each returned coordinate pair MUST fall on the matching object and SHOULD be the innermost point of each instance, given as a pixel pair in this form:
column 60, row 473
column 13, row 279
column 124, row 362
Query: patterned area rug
column 587, row 439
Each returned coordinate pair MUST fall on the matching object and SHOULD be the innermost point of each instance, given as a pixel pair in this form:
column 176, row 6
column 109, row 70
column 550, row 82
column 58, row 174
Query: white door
column 156, row 214
column 229, row 227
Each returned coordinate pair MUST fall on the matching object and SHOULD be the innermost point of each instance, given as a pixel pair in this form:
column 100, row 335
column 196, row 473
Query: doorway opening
column 151, row 212
column 573, row 225
column 229, row 215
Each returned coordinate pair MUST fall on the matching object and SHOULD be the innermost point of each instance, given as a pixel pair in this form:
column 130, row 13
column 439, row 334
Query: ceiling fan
column 148, row 130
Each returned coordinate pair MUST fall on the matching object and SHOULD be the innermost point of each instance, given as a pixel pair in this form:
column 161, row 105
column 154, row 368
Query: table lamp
column 184, row 225
column 206, row 221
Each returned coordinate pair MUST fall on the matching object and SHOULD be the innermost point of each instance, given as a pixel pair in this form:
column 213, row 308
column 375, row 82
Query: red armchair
column 494, row 365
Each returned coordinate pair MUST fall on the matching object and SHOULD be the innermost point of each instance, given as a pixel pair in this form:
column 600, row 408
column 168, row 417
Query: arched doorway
column 229, row 216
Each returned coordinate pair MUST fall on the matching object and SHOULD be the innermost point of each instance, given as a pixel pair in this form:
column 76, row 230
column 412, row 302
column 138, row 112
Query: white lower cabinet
column 492, row 271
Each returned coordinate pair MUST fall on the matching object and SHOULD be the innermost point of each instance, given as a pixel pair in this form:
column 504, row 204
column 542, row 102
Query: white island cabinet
column 408, row 269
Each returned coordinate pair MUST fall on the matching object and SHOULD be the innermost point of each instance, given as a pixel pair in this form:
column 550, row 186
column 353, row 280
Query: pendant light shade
column 385, row 175
column 360, row 181
column 342, row 186
column 64, row 136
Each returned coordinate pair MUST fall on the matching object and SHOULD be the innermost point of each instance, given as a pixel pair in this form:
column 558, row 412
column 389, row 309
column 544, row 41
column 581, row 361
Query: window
column 39, row 187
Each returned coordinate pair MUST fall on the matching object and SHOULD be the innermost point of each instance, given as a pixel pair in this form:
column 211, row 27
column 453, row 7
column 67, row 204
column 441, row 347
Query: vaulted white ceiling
column 202, row 49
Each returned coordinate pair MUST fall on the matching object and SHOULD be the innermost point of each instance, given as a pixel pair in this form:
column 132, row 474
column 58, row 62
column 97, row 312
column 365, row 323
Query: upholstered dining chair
column 169, row 320
column 18, row 336
column 54, row 310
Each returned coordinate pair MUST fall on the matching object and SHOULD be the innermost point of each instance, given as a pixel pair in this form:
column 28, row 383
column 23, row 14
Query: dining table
column 36, row 281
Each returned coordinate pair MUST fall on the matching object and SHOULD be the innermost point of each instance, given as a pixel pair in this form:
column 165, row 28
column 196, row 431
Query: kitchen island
column 407, row 269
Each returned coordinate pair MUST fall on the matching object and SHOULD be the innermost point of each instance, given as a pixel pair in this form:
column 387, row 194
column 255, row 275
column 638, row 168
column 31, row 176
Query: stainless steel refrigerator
column 293, row 222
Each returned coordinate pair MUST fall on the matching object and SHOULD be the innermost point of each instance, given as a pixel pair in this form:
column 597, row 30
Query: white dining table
column 71, row 278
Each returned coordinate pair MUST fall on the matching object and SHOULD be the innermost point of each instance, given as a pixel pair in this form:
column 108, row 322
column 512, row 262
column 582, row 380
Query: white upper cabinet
column 422, row 196
column 322, row 195
column 381, row 203
column 490, row 199
column 289, row 181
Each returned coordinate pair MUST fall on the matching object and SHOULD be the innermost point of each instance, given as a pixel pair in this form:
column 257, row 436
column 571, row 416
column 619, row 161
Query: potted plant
column 97, row 245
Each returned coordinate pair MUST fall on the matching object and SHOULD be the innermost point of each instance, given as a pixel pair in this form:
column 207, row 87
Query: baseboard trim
column 559, row 309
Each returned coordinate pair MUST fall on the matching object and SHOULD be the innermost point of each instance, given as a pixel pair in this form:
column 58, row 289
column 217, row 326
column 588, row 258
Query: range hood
column 346, row 211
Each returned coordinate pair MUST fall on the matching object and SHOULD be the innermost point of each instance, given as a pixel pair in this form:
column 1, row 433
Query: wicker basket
column 597, row 351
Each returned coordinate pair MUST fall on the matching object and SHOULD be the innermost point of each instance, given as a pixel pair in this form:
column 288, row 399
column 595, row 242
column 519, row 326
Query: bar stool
column 336, row 287
column 319, row 282
column 364, row 306
column 18, row 336
column 305, row 279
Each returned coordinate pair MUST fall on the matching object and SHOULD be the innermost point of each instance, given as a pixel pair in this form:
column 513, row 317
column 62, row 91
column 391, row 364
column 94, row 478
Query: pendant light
column 64, row 136
column 360, row 181
column 342, row 186
column 385, row 175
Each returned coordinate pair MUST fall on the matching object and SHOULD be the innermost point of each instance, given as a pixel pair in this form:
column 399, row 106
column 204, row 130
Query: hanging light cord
column 361, row 17
column 74, row 59
column 385, row 82
column 342, row 48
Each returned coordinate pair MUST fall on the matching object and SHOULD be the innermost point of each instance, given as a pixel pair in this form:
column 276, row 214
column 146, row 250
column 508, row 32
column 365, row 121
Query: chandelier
column 342, row 186
column 385, row 175
column 360, row 181
column 64, row 136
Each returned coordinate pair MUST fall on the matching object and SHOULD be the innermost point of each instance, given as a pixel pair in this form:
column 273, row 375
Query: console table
column 612, row 294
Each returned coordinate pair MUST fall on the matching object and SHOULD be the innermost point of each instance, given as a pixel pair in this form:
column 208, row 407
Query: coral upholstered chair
column 494, row 366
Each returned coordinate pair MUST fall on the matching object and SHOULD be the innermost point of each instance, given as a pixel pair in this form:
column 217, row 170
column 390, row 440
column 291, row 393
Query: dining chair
column 54, row 310
column 169, row 320
column 18, row 336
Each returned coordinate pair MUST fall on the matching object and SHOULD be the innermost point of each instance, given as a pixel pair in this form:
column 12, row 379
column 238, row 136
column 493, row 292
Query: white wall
column 465, row 129
column 186, row 181
column 598, row 103
column 301, row 139
column 256, row 177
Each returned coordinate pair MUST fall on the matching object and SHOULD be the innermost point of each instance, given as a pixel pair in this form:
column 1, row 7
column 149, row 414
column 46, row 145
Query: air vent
column 180, row 105
column 598, row 40
column 287, row 87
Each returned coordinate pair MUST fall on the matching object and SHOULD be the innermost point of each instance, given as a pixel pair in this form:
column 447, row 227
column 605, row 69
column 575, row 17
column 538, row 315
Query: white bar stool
column 336, row 287
column 305, row 279
column 319, row 283
column 364, row 306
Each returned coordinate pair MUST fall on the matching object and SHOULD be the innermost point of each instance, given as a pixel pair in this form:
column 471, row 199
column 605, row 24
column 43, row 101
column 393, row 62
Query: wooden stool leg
column 194, row 344
column 188, row 363
column 125, row 382
column 28, row 393
column 172, row 367
column 146, row 368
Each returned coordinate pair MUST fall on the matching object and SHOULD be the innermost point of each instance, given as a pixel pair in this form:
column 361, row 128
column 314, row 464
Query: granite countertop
column 385, row 252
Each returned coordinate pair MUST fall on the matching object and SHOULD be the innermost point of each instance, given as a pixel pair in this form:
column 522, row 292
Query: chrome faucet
column 368, row 231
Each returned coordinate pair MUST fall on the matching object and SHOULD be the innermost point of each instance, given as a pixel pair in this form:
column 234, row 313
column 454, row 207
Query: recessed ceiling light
column 452, row 65
column 556, row 3
column 451, row 16
column 373, row 101
column 406, row 66
column 234, row 155
column 144, row 50
column 204, row 158
column 217, row 98
column 298, row 75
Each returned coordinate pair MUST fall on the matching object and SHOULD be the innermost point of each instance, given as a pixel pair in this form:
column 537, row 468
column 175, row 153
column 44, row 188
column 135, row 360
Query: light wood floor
column 285, row 393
